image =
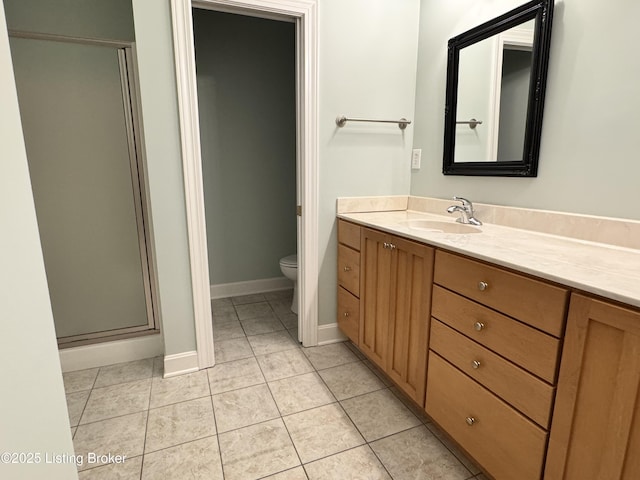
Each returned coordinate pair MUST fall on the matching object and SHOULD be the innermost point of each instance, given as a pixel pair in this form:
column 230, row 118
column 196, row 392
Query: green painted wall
column 106, row 19
column 246, row 92
column 588, row 150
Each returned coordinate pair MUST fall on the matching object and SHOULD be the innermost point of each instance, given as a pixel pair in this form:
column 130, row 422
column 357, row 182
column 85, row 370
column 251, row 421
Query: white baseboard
column 180, row 363
column 249, row 287
column 108, row 353
column 330, row 333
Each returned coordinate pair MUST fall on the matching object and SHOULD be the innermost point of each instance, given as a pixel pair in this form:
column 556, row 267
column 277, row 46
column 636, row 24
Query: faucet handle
column 465, row 203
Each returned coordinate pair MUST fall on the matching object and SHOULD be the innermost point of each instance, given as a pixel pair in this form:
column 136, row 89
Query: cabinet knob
column 475, row 364
column 482, row 286
column 346, row 314
column 478, row 326
column 347, row 268
column 392, row 246
column 386, row 245
column 471, row 421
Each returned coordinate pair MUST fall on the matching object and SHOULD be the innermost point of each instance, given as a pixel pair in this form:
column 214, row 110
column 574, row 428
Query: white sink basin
column 441, row 227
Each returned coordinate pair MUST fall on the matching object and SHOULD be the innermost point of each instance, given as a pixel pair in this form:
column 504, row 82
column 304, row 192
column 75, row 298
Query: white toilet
column 289, row 267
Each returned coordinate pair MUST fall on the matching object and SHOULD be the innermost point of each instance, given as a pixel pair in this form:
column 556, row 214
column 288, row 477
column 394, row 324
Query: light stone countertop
column 607, row 270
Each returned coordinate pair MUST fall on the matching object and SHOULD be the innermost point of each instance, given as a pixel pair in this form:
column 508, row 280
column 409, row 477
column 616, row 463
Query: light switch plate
column 416, row 155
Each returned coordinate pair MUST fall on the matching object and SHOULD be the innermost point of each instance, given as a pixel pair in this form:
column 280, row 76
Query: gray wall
column 246, row 92
column 368, row 52
column 34, row 414
column 154, row 45
column 112, row 19
column 588, row 154
column 516, row 73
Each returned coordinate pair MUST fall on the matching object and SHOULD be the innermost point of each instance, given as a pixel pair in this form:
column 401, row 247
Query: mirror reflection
column 493, row 89
column 496, row 76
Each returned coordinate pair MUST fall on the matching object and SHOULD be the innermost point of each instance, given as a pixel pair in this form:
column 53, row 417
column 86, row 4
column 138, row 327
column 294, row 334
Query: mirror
column 496, row 78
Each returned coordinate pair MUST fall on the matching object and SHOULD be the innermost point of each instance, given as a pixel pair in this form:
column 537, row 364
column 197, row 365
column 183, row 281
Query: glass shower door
column 77, row 117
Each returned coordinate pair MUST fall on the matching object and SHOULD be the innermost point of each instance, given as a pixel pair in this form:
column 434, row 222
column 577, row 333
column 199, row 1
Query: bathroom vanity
column 524, row 347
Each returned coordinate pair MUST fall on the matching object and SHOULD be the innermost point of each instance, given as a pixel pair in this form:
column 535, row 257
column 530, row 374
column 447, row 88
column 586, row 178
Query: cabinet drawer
column 349, row 269
column 531, row 301
column 348, row 314
column 531, row 349
column 530, row 395
column 349, row 234
column 504, row 442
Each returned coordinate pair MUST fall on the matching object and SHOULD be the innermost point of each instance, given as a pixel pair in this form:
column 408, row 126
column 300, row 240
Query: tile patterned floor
column 268, row 409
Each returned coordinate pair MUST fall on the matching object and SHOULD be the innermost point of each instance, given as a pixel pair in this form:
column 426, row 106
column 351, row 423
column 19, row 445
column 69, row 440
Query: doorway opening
column 303, row 14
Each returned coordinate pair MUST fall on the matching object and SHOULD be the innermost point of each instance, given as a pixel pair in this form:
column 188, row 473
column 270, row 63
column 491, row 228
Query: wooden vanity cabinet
column 595, row 431
column 494, row 351
column 395, row 304
column 349, row 279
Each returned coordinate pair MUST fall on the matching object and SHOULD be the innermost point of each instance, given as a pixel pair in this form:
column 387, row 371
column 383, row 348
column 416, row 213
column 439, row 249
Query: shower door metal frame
column 132, row 108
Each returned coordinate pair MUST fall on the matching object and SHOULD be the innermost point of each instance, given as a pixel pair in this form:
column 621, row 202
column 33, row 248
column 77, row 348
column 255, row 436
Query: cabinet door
column 411, row 278
column 375, row 262
column 596, row 422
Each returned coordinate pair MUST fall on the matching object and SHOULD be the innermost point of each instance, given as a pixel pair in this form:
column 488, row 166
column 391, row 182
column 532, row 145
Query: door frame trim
column 304, row 13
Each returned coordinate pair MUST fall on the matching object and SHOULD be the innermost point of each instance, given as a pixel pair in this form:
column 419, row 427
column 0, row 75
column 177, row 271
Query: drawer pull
column 475, row 364
column 347, row 268
column 482, row 286
column 471, row 421
column 478, row 326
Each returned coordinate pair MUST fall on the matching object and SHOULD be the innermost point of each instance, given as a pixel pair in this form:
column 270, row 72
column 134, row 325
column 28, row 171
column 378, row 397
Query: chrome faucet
column 466, row 211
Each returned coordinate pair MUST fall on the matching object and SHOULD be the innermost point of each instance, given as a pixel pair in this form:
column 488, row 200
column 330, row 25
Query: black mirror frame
column 542, row 11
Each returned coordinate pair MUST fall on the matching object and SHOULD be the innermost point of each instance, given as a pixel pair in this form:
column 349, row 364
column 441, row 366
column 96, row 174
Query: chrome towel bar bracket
column 473, row 123
column 341, row 121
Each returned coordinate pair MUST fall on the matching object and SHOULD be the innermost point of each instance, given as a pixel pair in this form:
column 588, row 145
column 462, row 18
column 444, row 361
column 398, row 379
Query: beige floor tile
column 417, row 410
column 224, row 316
column 294, row 334
column 257, row 451
column 281, row 307
column 232, row 349
column 73, row 431
column 128, row 470
column 416, row 453
column 302, row 392
column 165, row 391
column 124, row 372
column 75, row 405
column 321, row 432
column 179, row 423
column 289, row 320
column 197, row 460
column 292, row 474
column 286, row 294
column 271, row 343
column 218, row 303
column 79, row 380
column 327, row 356
column 244, row 407
column 253, row 310
column 261, row 325
column 158, row 366
column 378, row 414
column 251, row 298
column 351, row 379
column 224, row 377
column 378, row 373
column 354, row 349
column 453, row 448
column 116, row 400
column 356, row 464
column 284, row 364
column 227, row 331
column 117, row 436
